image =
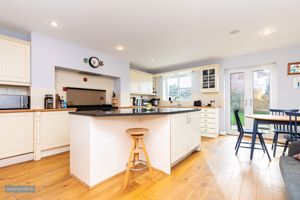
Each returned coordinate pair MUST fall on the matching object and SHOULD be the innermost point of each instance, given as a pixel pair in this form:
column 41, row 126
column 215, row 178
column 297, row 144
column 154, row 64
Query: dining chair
column 242, row 132
column 279, row 128
column 294, row 134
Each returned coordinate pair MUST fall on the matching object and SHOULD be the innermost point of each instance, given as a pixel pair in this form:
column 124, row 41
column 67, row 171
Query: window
column 178, row 88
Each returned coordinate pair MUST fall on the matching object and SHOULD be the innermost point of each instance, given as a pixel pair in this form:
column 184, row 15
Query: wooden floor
column 214, row 173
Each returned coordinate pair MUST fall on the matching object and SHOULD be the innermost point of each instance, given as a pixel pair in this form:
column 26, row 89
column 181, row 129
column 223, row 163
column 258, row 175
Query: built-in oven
column 8, row 102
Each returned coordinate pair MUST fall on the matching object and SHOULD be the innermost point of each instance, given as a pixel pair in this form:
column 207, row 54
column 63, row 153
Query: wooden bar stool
column 137, row 147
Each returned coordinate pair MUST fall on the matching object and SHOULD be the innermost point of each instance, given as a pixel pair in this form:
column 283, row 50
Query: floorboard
column 215, row 173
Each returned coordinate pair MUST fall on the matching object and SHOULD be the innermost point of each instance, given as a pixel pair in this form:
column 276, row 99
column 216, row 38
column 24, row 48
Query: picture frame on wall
column 294, row 68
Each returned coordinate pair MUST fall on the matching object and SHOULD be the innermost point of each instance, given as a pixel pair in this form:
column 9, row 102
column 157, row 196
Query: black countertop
column 134, row 112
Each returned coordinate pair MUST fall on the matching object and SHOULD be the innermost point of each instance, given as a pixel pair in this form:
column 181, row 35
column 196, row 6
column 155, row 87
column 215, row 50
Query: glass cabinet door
column 209, row 80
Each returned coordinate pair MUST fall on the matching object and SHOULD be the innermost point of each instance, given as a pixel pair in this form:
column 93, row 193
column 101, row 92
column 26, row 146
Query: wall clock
column 95, row 62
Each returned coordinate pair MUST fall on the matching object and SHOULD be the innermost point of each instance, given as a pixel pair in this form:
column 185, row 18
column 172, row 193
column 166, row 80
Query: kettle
column 154, row 102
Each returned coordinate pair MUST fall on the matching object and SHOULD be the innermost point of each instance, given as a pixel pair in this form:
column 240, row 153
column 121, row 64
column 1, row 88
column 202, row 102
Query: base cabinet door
column 16, row 134
column 178, row 137
column 55, row 129
column 194, row 131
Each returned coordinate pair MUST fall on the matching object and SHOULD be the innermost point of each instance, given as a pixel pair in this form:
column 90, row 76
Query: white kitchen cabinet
column 141, row 82
column 54, row 129
column 194, row 135
column 179, row 128
column 14, row 61
column 209, row 122
column 16, row 134
column 185, row 135
column 210, row 79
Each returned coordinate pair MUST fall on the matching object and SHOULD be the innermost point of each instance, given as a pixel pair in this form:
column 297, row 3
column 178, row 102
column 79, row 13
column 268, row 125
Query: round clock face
column 94, row 62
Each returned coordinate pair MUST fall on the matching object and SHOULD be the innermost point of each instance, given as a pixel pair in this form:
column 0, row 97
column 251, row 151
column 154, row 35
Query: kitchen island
column 99, row 146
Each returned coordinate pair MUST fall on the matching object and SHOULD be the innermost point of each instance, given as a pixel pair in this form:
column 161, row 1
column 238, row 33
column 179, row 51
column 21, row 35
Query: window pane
column 185, row 82
column 185, row 94
column 261, row 95
column 179, row 88
column 237, row 91
column 185, row 88
column 172, row 87
column 261, row 91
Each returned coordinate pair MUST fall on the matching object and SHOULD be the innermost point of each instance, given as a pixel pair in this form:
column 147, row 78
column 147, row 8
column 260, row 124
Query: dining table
column 260, row 119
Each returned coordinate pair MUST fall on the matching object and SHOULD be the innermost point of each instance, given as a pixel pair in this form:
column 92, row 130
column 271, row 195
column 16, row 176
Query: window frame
column 166, row 88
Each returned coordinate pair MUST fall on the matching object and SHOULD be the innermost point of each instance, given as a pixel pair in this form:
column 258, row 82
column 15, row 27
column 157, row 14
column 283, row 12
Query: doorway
column 252, row 91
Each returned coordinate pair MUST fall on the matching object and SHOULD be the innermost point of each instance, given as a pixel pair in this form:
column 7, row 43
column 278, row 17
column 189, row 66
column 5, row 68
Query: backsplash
column 13, row 90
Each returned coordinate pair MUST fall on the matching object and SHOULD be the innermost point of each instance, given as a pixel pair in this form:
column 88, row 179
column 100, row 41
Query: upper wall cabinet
column 141, row 82
column 210, row 79
column 14, row 61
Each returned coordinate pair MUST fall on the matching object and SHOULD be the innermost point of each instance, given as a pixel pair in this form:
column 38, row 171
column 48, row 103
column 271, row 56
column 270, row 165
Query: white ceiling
column 169, row 31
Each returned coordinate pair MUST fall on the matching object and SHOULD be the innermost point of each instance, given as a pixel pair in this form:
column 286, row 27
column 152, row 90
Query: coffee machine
column 48, row 101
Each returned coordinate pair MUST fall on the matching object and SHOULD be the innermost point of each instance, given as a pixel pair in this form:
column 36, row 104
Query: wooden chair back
column 293, row 124
column 238, row 121
column 281, row 112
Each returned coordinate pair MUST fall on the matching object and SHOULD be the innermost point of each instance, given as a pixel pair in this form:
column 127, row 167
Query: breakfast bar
column 99, row 147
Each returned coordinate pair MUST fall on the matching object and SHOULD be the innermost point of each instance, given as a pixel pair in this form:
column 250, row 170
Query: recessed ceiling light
column 234, row 31
column 54, row 24
column 120, row 48
column 152, row 59
column 267, row 31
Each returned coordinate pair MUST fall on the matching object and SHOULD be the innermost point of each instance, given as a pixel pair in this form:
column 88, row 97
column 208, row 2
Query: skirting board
column 54, row 151
column 223, row 133
column 27, row 157
column 16, row 159
column 209, row 135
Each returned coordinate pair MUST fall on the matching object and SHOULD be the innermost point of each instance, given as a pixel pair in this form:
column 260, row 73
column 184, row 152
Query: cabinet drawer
column 204, row 125
column 208, row 115
column 207, row 120
column 207, row 110
column 208, row 130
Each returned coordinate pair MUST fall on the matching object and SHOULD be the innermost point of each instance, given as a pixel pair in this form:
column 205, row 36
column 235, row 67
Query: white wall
column 287, row 96
column 13, row 34
column 46, row 53
column 74, row 79
column 196, row 92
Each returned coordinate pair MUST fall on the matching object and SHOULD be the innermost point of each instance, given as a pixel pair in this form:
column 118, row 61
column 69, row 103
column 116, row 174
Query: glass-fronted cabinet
column 210, row 79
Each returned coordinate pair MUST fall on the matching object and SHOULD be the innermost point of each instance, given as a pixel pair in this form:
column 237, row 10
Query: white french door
column 252, row 91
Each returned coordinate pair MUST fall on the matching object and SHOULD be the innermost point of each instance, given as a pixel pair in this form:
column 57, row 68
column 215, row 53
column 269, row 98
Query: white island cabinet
column 185, row 135
column 99, row 146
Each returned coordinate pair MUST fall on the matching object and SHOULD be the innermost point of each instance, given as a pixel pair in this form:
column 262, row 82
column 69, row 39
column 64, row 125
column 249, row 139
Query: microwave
column 8, row 102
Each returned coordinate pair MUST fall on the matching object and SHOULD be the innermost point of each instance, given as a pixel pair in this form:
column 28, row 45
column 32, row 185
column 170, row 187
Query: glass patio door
column 251, row 90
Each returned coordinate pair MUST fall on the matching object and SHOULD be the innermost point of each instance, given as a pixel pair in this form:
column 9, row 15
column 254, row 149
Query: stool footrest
column 139, row 162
